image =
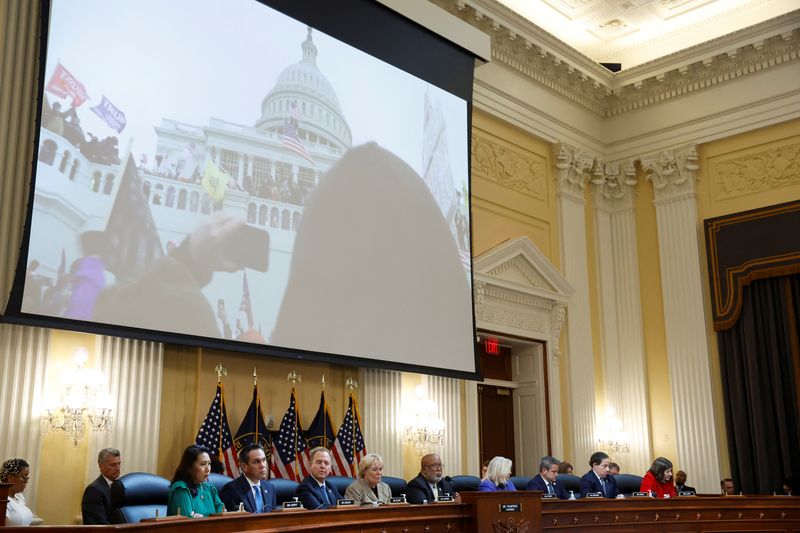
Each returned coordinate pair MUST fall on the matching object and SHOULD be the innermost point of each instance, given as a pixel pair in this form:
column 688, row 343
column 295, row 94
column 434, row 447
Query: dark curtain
column 759, row 362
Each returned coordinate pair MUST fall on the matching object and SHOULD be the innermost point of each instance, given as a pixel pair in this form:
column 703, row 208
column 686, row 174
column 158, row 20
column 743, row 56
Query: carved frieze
column 574, row 169
column 515, row 319
column 747, row 174
column 513, row 169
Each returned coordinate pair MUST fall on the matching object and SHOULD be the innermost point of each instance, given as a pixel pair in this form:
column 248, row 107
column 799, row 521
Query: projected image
column 184, row 153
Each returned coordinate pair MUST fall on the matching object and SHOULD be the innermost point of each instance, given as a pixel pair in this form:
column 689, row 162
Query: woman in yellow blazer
column 369, row 489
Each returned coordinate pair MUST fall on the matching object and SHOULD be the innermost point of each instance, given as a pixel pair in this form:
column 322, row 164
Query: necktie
column 603, row 486
column 549, row 488
column 325, row 498
column 257, row 499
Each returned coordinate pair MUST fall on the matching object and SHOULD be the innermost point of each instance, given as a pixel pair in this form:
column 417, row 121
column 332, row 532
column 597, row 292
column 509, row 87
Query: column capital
column 673, row 173
column 558, row 314
column 614, row 186
column 574, row 168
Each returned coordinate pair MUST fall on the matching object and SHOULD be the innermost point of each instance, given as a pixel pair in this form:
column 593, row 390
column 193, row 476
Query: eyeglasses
column 24, row 479
column 435, row 466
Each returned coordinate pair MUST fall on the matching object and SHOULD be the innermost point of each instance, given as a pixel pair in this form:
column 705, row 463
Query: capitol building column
column 573, row 170
column 673, row 176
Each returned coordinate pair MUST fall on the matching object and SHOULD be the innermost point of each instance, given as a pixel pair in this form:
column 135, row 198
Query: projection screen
column 220, row 173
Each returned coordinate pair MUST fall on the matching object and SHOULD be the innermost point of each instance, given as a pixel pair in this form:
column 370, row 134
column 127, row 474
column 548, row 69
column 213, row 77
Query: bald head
column 431, row 468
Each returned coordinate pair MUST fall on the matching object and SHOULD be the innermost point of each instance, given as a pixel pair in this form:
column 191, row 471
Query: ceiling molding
column 539, row 56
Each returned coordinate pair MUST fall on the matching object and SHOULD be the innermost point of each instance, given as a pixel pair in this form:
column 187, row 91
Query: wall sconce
column 422, row 428
column 613, row 438
column 82, row 401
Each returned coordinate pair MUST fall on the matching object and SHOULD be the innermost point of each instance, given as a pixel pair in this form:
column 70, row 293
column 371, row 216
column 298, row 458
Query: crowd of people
column 68, row 125
column 192, row 495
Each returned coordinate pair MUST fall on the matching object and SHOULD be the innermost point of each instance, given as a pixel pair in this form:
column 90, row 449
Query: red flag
column 64, row 84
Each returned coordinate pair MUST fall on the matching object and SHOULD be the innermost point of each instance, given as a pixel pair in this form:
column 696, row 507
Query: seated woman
column 16, row 472
column 497, row 476
column 658, row 480
column 190, row 493
column 369, row 489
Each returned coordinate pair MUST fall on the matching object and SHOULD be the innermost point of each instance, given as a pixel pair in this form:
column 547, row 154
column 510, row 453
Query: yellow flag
column 215, row 182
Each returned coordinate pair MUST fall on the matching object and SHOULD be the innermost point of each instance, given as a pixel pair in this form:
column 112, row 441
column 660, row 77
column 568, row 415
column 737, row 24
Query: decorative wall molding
column 752, row 173
column 574, row 169
column 511, row 168
column 522, row 46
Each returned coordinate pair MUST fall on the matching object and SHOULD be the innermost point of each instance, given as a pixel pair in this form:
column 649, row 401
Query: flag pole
column 353, row 384
column 258, row 402
column 221, row 371
column 325, row 413
column 294, row 377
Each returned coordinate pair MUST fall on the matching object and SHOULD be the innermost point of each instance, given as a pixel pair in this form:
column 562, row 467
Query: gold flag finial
column 351, row 384
column 255, row 377
column 294, row 377
column 323, row 381
column 221, row 371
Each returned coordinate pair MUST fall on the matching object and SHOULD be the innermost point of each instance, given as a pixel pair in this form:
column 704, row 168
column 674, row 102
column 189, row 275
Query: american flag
column 215, row 434
column 292, row 141
column 288, row 446
column 349, row 447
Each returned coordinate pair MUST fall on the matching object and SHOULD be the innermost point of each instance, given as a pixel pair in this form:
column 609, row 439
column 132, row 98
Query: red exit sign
column 492, row 346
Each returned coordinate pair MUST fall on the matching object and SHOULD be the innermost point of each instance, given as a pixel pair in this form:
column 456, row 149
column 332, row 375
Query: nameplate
column 640, row 495
column 293, row 506
column 594, row 495
column 397, row 499
column 549, row 496
column 345, row 502
column 444, row 499
column 687, row 493
column 510, row 507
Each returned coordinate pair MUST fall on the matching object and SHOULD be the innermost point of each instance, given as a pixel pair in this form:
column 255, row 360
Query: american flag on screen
column 349, row 447
column 292, row 141
column 215, row 433
column 288, row 446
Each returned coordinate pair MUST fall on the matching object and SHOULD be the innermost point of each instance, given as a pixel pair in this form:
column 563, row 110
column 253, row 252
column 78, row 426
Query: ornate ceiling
column 633, row 32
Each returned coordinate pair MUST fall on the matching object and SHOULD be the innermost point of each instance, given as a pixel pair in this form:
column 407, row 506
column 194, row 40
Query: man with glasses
column 430, row 484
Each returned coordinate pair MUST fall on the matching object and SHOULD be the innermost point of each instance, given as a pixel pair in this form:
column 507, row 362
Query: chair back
column 138, row 495
column 340, row 483
column 520, row 482
column 218, row 480
column 285, row 489
column 465, row 483
column 627, row 484
column 570, row 482
column 398, row 486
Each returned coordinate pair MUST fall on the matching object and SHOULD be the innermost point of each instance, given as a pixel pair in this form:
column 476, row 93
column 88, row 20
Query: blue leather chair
column 285, row 489
column 138, row 495
column 570, row 482
column 520, row 482
column 628, row 483
column 340, row 483
column 398, row 486
column 465, row 483
column 219, row 480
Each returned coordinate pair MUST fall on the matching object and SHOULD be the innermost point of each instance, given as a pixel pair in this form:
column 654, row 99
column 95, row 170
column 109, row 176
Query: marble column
column 620, row 311
column 673, row 176
column 573, row 170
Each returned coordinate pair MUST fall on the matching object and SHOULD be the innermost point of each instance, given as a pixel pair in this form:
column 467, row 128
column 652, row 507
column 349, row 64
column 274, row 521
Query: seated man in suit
column 680, row 482
column 597, row 479
column 430, row 483
column 250, row 489
column 96, row 501
column 546, row 480
column 313, row 492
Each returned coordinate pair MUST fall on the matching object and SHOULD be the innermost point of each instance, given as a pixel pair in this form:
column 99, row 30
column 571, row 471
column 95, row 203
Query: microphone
column 501, row 486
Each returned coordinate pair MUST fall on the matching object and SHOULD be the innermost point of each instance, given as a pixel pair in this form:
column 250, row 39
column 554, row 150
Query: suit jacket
column 238, row 491
column 360, row 492
column 96, row 503
column 537, row 483
column 487, row 485
column 590, row 483
column 419, row 490
column 685, row 488
column 310, row 494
